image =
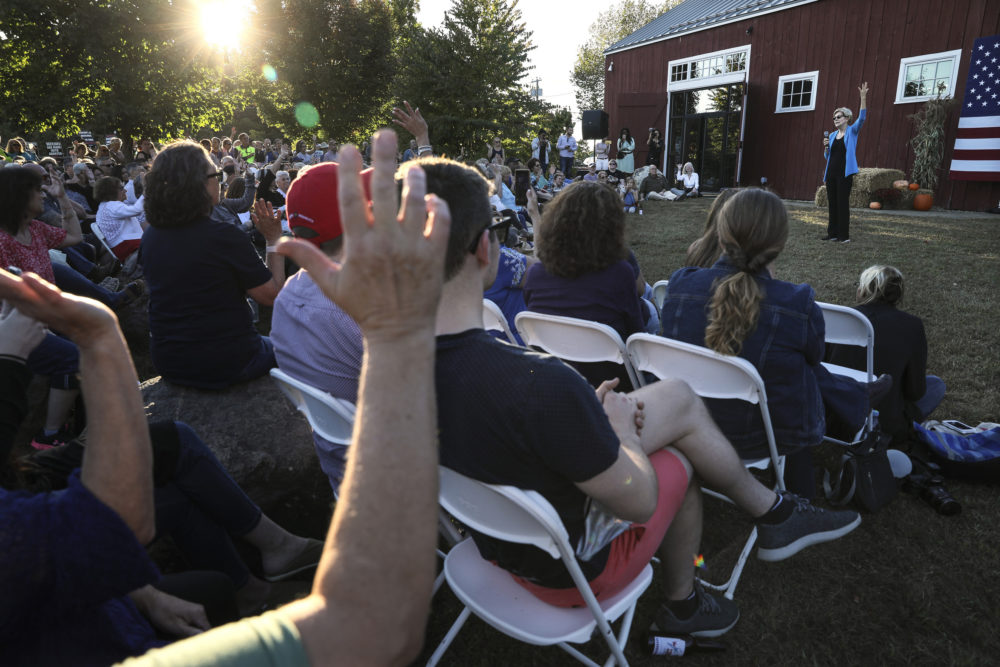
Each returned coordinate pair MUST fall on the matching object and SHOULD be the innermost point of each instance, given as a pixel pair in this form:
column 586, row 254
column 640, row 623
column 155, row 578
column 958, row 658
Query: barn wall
column 848, row 41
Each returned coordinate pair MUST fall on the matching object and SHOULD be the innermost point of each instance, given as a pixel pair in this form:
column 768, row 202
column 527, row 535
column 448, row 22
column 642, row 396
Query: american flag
column 977, row 145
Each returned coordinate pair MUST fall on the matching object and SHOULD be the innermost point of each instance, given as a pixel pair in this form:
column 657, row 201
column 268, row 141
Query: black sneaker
column 806, row 525
column 716, row 616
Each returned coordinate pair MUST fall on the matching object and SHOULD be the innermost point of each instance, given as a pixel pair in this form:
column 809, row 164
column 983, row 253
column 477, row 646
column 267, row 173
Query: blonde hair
column 880, row 283
column 753, row 228
column 847, row 113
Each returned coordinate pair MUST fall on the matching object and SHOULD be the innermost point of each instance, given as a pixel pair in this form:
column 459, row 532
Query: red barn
column 745, row 88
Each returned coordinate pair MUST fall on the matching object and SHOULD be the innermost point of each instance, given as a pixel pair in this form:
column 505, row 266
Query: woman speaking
column 841, row 165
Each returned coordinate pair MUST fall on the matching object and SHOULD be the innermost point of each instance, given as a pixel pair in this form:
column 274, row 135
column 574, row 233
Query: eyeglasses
column 217, row 174
column 503, row 224
column 838, row 116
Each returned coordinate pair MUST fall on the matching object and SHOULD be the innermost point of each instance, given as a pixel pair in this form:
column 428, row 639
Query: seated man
column 655, row 185
column 511, row 416
column 314, row 340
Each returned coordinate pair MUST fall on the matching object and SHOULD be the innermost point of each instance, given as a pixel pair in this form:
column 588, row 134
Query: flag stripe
column 977, row 144
column 976, row 152
column 975, row 155
column 978, row 132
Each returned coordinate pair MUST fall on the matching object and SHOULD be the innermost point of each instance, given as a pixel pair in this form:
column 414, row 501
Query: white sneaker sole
column 789, row 550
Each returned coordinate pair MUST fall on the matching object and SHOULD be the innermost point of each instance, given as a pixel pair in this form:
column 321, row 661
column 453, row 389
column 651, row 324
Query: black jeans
column 838, row 195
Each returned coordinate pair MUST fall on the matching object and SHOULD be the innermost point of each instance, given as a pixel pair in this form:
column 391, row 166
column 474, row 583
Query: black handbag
column 620, row 155
column 865, row 475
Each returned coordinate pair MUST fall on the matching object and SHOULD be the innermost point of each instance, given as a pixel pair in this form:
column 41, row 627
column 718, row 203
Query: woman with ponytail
column 737, row 307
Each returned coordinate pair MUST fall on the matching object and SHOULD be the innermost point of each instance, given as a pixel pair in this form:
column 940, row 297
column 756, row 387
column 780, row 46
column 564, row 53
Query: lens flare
column 269, row 73
column 306, row 114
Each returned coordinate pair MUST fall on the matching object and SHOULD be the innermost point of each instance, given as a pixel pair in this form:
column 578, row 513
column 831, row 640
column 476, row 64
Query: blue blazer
column 850, row 143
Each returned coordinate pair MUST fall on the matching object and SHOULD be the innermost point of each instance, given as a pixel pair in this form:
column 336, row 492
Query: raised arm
column 117, row 466
column 70, row 222
column 413, row 122
column 863, row 92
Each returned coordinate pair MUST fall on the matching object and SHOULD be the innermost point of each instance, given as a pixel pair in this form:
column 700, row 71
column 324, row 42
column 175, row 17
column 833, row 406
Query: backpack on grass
column 974, row 456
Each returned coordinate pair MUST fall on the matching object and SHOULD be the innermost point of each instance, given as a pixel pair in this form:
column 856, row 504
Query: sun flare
column 222, row 22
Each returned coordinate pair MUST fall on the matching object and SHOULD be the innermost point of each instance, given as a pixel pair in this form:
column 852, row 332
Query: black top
column 838, row 158
column 655, row 152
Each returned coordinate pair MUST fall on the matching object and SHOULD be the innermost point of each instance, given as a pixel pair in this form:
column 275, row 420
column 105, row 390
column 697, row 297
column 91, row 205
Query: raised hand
column 410, row 120
column 79, row 318
column 393, row 264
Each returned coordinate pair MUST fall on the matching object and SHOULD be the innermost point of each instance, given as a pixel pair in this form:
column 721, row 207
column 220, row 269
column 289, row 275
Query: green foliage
column 928, row 140
column 611, row 25
column 107, row 66
column 337, row 55
column 466, row 77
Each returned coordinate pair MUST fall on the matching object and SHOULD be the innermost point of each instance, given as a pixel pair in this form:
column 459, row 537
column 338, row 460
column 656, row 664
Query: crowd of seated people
column 187, row 213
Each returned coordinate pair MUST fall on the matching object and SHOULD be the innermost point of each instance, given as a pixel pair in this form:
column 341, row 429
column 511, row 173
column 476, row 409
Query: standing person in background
column 494, row 151
column 602, row 149
column 540, row 149
column 840, row 151
column 626, row 148
column 567, row 151
column 655, row 145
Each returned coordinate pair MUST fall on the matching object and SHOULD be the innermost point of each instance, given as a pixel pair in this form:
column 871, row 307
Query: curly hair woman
column 199, row 273
column 737, row 307
column 586, row 269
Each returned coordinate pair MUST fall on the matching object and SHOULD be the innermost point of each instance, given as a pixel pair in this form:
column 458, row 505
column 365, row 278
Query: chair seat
column 854, row 374
column 493, row 595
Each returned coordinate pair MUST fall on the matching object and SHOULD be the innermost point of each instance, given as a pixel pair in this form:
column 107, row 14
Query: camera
column 930, row 488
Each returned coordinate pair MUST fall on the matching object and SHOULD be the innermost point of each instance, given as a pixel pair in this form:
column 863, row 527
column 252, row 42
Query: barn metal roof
column 694, row 15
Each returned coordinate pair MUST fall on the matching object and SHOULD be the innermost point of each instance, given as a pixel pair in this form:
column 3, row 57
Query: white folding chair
column 95, row 229
column 494, row 320
column 577, row 340
column 712, row 375
column 660, row 293
column 333, row 419
column 847, row 326
column 525, row 517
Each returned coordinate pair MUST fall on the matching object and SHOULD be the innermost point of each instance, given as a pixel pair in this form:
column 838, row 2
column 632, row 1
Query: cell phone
column 522, row 181
column 961, row 427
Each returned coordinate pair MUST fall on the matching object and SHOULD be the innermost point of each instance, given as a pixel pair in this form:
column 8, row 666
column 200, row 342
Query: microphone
column 826, row 134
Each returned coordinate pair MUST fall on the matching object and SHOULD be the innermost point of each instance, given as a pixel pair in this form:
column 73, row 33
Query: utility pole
column 536, row 91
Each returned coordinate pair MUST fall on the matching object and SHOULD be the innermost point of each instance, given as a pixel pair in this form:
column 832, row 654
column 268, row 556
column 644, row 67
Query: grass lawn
column 908, row 586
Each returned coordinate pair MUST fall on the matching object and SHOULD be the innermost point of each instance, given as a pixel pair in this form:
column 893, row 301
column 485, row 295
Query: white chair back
column 95, row 229
column 712, row 375
column 847, row 326
column 332, row 418
column 577, row 340
column 494, row 320
column 660, row 293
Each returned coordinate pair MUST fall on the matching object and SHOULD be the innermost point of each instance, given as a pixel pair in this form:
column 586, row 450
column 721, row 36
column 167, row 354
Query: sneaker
column 828, row 238
column 806, row 525
column 844, row 241
column 716, row 615
column 57, row 439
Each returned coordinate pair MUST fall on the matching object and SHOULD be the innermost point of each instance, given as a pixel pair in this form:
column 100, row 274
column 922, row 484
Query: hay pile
column 866, row 181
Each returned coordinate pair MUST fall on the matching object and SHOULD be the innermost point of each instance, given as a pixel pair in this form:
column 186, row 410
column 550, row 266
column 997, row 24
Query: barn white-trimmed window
column 797, row 92
column 923, row 78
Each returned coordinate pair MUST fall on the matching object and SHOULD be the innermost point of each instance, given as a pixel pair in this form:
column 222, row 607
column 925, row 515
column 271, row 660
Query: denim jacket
column 785, row 348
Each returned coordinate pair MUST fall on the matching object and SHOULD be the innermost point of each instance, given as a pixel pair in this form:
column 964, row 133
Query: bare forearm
column 117, row 467
column 363, row 581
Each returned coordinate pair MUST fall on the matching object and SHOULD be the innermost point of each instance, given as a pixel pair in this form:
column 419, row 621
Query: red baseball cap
column 312, row 201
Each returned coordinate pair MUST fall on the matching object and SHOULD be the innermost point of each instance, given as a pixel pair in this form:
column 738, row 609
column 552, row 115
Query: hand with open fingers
column 55, row 188
column 392, row 270
column 19, row 334
column 77, row 317
column 267, row 221
column 410, row 120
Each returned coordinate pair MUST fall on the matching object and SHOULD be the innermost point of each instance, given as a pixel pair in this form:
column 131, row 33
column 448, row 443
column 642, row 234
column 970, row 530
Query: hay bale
column 820, row 199
column 870, row 179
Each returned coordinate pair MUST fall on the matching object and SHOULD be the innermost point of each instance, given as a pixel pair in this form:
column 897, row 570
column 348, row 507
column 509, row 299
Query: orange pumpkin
column 923, row 202
column 914, row 186
column 875, row 205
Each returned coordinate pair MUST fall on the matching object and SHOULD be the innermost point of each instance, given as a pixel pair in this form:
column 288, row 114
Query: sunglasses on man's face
column 498, row 229
column 217, row 175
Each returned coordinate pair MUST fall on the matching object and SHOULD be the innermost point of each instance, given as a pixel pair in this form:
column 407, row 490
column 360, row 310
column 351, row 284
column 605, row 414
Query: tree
column 336, row 56
column 611, row 25
column 468, row 77
column 141, row 77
